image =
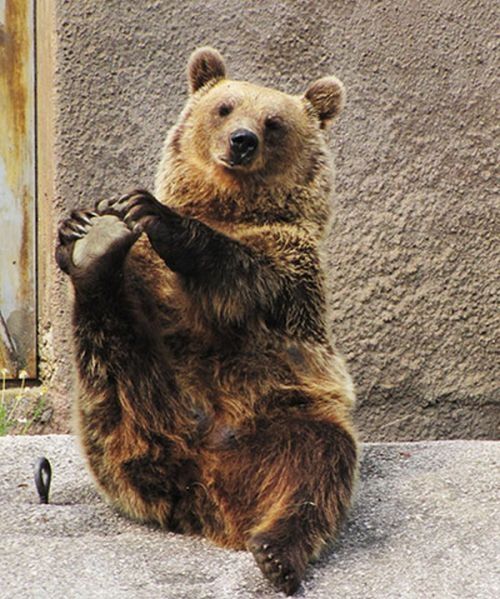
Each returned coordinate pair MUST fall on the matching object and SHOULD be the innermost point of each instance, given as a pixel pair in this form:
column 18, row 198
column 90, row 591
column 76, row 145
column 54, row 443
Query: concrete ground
column 425, row 525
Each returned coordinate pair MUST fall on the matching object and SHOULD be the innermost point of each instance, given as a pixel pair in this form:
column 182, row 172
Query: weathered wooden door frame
column 46, row 199
column 46, row 213
column 18, row 314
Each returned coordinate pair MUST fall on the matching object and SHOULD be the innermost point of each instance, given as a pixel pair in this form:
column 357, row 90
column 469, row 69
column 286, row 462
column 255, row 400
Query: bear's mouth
column 236, row 163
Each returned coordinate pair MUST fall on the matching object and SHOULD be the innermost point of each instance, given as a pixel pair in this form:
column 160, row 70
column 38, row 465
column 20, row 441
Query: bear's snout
column 243, row 144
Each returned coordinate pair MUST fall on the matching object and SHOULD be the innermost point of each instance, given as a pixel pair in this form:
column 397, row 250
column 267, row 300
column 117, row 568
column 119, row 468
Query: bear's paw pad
column 86, row 237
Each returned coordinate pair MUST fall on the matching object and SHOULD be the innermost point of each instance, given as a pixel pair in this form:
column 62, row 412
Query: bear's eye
column 274, row 123
column 225, row 109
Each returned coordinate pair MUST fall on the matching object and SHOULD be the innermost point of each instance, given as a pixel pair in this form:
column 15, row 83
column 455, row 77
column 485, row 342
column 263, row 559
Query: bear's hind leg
column 313, row 467
column 128, row 409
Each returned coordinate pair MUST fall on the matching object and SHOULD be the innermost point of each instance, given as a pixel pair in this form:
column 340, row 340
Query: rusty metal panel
column 17, row 189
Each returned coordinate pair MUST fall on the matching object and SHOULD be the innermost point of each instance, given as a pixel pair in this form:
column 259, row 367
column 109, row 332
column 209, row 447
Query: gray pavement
column 425, row 525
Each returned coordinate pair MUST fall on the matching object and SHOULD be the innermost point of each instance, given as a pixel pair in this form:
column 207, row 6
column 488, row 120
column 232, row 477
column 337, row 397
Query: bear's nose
column 243, row 145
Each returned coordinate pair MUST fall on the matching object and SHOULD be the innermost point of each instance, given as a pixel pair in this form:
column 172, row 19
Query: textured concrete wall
column 413, row 250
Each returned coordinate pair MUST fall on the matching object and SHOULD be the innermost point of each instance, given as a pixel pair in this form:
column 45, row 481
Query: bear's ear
column 205, row 64
column 327, row 95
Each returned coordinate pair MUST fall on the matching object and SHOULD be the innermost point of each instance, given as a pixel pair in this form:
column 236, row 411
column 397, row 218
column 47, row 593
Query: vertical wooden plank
column 17, row 189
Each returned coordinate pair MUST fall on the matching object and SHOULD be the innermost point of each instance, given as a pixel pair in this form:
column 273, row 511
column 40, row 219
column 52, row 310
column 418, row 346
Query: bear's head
column 240, row 132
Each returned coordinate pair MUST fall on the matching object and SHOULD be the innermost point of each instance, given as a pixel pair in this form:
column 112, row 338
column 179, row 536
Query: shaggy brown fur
column 211, row 398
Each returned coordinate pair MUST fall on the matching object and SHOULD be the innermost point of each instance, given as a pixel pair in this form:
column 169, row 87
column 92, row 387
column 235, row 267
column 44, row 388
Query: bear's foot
column 282, row 566
column 89, row 241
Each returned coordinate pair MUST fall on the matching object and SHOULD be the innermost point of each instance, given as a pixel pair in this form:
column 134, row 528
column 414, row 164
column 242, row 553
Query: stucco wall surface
column 414, row 251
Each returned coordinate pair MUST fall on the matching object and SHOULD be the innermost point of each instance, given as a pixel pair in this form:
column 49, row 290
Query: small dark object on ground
column 43, row 474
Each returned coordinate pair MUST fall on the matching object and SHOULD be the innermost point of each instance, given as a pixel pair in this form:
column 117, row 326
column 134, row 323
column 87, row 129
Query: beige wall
column 414, row 251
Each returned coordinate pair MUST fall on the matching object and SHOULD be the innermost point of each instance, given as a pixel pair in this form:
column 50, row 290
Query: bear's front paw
column 138, row 210
column 89, row 241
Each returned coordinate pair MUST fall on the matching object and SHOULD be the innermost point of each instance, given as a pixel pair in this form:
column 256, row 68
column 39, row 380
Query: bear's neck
column 215, row 199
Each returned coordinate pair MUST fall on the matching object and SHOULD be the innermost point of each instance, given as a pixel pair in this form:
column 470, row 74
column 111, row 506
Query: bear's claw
column 276, row 566
column 75, row 227
column 136, row 209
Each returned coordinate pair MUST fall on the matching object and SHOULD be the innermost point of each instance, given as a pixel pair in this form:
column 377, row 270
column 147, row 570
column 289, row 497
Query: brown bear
column 211, row 398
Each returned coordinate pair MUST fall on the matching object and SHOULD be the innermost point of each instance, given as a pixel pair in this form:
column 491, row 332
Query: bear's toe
column 277, row 566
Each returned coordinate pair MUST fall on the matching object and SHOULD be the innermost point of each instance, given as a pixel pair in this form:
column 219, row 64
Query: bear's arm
column 299, row 306
column 229, row 279
column 269, row 273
